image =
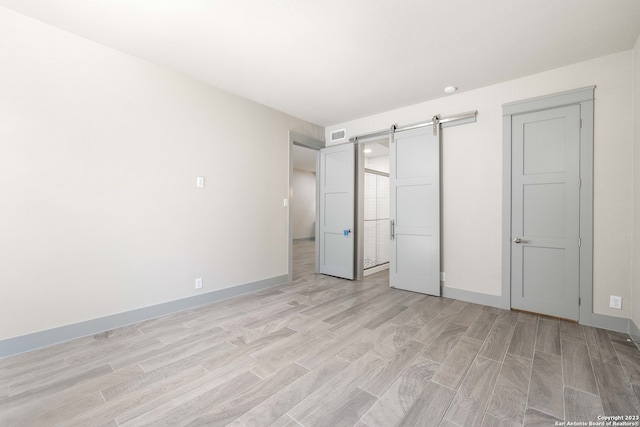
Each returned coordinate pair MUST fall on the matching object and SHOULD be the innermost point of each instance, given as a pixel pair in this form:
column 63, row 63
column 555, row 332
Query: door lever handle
column 519, row 240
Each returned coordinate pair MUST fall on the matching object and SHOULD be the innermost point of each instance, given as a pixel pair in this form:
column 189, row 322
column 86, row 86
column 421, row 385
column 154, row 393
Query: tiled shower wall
column 376, row 213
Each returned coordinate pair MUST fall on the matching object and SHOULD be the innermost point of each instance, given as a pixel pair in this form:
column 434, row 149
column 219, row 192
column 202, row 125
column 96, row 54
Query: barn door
column 414, row 181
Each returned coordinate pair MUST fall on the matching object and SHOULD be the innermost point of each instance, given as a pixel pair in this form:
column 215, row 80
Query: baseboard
column 634, row 332
column 612, row 323
column 49, row 337
column 602, row 321
column 470, row 296
column 306, row 239
column 374, row 270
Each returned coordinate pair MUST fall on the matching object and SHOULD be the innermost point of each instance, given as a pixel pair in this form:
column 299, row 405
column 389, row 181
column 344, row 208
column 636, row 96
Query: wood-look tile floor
column 327, row 352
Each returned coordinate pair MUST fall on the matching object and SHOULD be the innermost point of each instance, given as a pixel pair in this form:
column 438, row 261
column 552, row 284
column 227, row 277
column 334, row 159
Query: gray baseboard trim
column 604, row 321
column 470, row 296
column 305, row 239
column 634, row 332
column 49, row 337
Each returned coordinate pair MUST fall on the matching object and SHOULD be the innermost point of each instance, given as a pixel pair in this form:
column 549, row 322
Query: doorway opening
column 302, row 200
column 302, row 208
column 376, row 224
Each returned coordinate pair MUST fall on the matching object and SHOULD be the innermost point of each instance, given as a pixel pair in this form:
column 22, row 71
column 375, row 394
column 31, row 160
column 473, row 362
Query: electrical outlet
column 200, row 181
column 199, row 283
column 615, row 302
column 442, row 276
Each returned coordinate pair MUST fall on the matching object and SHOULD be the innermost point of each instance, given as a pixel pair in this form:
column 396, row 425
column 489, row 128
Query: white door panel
column 546, row 212
column 337, row 208
column 414, row 182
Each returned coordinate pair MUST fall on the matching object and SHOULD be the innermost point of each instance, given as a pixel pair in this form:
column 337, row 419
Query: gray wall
column 99, row 157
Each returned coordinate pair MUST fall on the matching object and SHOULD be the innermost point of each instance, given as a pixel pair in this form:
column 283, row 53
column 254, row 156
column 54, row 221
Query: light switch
column 285, row 202
column 200, row 181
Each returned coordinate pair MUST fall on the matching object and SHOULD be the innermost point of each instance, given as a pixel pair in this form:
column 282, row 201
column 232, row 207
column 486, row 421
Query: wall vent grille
column 338, row 135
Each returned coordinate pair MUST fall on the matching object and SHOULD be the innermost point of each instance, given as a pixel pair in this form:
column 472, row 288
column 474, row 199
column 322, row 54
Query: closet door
column 414, row 182
column 545, row 212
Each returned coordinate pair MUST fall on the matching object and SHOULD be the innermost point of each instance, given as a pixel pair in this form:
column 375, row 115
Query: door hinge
column 579, row 301
column 580, row 183
column 579, row 242
column 580, row 123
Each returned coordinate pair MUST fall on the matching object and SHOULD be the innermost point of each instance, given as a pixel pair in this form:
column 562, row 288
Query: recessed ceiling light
column 450, row 89
column 367, row 150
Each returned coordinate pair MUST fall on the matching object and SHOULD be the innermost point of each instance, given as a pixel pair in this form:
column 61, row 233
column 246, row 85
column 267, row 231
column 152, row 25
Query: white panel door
column 414, row 181
column 545, row 254
column 337, row 209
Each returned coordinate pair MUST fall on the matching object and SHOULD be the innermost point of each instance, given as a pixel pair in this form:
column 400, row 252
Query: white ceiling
column 329, row 61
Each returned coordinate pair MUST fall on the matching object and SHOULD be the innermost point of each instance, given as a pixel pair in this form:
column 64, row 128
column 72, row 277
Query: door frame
column 314, row 144
column 584, row 98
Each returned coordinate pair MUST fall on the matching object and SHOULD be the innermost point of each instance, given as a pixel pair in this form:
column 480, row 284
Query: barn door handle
column 393, row 229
